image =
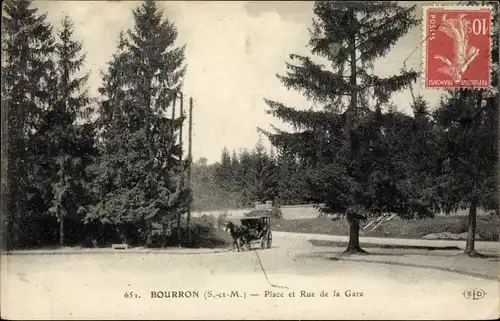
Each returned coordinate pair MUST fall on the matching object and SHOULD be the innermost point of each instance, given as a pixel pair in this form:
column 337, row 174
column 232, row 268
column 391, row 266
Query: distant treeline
column 240, row 179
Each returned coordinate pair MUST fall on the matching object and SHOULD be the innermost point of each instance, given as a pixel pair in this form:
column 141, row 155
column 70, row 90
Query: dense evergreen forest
column 78, row 169
column 240, row 179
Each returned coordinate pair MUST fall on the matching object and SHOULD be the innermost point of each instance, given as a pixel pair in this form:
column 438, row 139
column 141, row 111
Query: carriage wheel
column 248, row 245
column 263, row 242
column 269, row 239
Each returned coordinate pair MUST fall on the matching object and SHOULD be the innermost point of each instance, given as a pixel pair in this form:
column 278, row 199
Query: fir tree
column 224, row 172
column 336, row 141
column 140, row 172
column 234, row 160
column 292, row 187
column 246, row 190
column 65, row 147
column 404, row 168
column 264, row 174
column 27, row 48
column 469, row 123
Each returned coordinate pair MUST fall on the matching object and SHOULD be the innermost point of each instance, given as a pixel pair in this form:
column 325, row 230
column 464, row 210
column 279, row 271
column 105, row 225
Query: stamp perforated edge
column 425, row 8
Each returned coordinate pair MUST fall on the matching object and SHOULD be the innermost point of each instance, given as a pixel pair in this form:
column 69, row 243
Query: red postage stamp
column 457, row 46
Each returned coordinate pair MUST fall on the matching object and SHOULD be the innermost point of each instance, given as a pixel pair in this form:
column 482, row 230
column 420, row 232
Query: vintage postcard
column 233, row 160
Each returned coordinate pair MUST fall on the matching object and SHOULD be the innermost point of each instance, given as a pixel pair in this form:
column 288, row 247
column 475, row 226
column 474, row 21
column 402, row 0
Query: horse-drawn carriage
column 253, row 229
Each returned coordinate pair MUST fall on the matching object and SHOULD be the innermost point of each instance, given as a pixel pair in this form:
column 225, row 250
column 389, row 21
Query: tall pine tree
column 27, row 48
column 404, row 165
column 469, row 123
column 140, row 171
column 337, row 140
column 292, row 188
column 65, row 147
column 264, row 178
column 224, row 172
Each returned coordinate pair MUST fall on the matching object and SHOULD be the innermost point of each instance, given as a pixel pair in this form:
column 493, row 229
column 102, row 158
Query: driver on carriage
column 259, row 230
column 253, row 228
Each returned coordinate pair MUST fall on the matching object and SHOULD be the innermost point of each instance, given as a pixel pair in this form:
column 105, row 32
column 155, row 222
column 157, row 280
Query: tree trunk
column 61, row 230
column 149, row 237
column 179, row 234
column 17, row 223
column 353, row 246
column 164, row 234
column 471, row 230
column 121, row 234
column 353, row 80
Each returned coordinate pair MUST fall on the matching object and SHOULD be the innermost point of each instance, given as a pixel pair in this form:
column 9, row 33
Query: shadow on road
column 454, row 262
column 255, row 249
column 326, row 243
column 339, row 254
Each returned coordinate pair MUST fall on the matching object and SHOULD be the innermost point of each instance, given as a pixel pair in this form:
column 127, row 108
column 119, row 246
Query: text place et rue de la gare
column 238, row 294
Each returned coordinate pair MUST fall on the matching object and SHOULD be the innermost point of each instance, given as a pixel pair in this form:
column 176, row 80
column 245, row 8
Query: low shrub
column 204, row 234
column 221, row 220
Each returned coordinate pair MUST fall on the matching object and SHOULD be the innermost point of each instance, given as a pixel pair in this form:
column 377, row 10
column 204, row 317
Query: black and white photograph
column 250, row 160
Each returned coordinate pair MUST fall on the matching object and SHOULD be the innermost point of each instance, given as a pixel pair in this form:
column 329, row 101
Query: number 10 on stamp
column 457, row 46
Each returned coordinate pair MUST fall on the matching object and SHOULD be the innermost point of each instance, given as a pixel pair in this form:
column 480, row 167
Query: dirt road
column 284, row 282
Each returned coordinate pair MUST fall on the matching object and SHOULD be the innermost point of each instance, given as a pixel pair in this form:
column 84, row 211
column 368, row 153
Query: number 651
column 130, row 294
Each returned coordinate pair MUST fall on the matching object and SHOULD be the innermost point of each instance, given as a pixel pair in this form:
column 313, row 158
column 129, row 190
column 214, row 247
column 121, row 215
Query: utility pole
column 190, row 159
column 179, row 214
column 172, row 131
column 180, row 131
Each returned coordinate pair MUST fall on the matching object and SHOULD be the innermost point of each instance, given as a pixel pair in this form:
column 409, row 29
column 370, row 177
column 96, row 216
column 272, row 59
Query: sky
column 234, row 49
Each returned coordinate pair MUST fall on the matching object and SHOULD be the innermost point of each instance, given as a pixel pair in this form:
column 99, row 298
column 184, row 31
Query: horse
column 238, row 233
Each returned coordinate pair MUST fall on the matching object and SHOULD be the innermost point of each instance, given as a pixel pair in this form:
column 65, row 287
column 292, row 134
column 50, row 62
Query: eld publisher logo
column 474, row 294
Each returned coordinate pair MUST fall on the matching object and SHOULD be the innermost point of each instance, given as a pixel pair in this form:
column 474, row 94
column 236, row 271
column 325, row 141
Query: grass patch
column 326, row 243
column 487, row 227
